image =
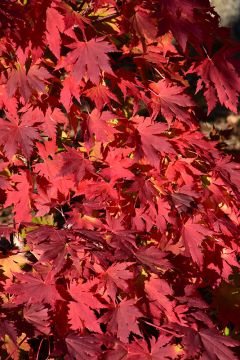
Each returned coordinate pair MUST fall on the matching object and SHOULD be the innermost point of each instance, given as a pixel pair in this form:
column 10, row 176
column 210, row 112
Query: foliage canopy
column 117, row 213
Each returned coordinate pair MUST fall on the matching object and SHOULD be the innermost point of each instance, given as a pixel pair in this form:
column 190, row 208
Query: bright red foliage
column 118, row 214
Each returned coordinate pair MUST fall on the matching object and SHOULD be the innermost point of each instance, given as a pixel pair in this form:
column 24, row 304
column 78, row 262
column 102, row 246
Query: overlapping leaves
column 118, row 214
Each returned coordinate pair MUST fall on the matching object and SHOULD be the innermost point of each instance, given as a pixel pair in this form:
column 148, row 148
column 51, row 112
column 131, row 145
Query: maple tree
column 120, row 220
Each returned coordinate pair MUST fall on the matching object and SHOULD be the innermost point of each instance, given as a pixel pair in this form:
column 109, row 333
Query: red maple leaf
column 154, row 258
column 228, row 170
column 220, row 81
column 73, row 18
column 50, row 121
column 193, row 235
column 32, row 288
column 158, row 292
column 89, row 59
column 73, row 162
column 85, row 347
column 144, row 23
column 152, row 141
column 127, row 351
column 70, row 89
column 37, row 315
column 100, row 95
column 18, row 134
column 122, row 319
column 160, row 349
column 55, row 25
column 61, row 245
column 181, row 19
column 19, row 195
column 216, row 346
column 118, row 165
column 100, row 126
column 171, row 101
column 81, row 313
column 26, row 81
column 115, row 277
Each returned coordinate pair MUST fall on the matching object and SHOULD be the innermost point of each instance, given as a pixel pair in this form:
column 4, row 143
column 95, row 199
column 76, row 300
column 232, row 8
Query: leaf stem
column 162, row 329
column 105, row 18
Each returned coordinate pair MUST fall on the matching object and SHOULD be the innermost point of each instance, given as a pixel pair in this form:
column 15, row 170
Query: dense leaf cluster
column 117, row 214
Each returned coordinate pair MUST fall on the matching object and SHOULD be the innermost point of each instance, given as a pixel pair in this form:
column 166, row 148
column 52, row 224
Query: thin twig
column 162, row 329
column 61, row 212
column 38, row 353
column 105, row 18
column 9, row 356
